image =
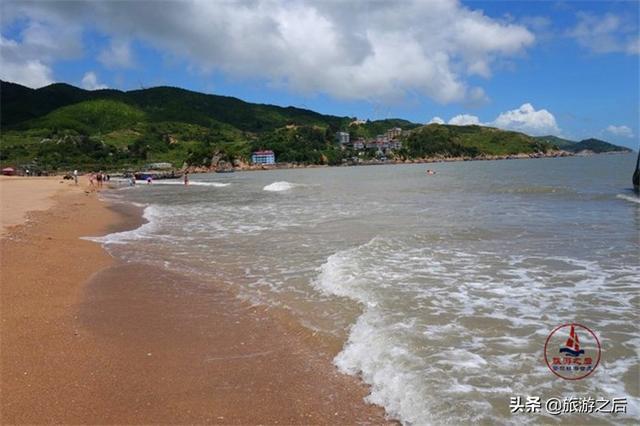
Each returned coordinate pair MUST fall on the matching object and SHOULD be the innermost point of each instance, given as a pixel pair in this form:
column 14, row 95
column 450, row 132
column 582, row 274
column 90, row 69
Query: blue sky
column 565, row 68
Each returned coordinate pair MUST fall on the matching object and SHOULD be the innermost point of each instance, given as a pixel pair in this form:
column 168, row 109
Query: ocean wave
column 537, row 190
column 436, row 326
column 279, row 186
column 632, row 198
column 151, row 214
column 191, row 183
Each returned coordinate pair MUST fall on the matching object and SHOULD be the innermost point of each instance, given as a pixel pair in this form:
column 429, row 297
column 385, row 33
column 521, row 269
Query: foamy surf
column 445, row 307
column 632, row 198
column 151, row 215
column 191, row 183
column 279, row 186
column 458, row 326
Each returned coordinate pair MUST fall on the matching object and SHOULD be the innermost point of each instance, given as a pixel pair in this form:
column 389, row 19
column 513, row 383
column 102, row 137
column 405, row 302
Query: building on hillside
column 359, row 143
column 342, row 138
column 370, row 144
column 263, row 157
column 394, row 133
column 395, row 144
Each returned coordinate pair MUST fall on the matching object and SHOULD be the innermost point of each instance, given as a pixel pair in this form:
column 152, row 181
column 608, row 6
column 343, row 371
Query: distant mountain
column 62, row 126
column 561, row 143
column 598, row 146
column 436, row 139
column 20, row 104
column 594, row 145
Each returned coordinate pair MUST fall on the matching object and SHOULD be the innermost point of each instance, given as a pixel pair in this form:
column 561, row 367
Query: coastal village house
column 263, row 157
column 359, row 143
column 394, row 133
column 342, row 138
column 390, row 140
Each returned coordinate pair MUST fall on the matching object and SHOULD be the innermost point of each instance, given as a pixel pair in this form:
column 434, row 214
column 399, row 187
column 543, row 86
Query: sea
column 444, row 288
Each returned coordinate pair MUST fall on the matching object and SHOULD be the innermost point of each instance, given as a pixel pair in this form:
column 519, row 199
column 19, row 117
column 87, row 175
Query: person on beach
column 92, row 177
column 132, row 181
column 186, row 178
column 75, row 176
column 99, row 179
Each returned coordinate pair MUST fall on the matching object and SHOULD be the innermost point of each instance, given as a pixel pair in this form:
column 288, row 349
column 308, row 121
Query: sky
column 564, row 68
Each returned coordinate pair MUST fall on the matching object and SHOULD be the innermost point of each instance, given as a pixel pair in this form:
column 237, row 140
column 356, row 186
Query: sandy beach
column 86, row 339
column 20, row 195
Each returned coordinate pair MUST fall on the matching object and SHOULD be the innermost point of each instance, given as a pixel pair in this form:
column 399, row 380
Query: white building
column 263, row 157
column 342, row 138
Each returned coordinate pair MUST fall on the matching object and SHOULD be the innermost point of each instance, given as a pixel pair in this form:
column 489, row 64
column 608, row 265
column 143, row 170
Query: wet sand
column 86, row 339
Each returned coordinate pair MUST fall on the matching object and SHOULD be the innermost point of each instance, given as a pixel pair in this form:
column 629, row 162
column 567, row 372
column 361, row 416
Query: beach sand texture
column 19, row 195
column 85, row 339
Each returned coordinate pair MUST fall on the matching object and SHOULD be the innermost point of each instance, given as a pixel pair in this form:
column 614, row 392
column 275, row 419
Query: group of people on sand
column 96, row 180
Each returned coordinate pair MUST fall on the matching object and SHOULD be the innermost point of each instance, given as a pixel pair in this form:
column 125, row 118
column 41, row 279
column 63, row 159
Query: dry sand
column 86, row 339
column 19, row 195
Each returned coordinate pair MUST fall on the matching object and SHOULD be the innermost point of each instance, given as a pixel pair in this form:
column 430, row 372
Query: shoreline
column 428, row 160
column 87, row 338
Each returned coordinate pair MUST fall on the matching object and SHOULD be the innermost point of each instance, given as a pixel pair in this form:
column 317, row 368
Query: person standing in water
column 186, row 178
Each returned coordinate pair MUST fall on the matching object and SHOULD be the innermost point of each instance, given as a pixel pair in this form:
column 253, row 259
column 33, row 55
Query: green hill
column 561, row 143
column 89, row 117
column 595, row 145
column 598, row 146
column 449, row 140
column 20, row 104
column 63, row 127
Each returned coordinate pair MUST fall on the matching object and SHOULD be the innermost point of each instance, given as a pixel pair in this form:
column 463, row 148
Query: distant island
column 62, row 127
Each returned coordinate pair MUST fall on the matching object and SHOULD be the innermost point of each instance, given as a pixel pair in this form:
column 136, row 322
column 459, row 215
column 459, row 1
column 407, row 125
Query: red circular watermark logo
column 572, row 351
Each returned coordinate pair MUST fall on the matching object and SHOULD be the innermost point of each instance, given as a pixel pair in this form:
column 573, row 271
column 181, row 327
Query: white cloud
column 90, row 81
column 624, row 131
column 608, row 33
column 117, row 55
column 361, row 50
column 526, row 119
column 436, row 120
column 464, row 120
column 28, row 59
column 22, row 70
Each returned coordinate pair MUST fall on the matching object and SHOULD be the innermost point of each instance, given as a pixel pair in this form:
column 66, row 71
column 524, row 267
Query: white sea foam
column 151, row 214
column 451, row 316
column 191, row 183
column 279, row 186
column 632, row 198
column 435, row 328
